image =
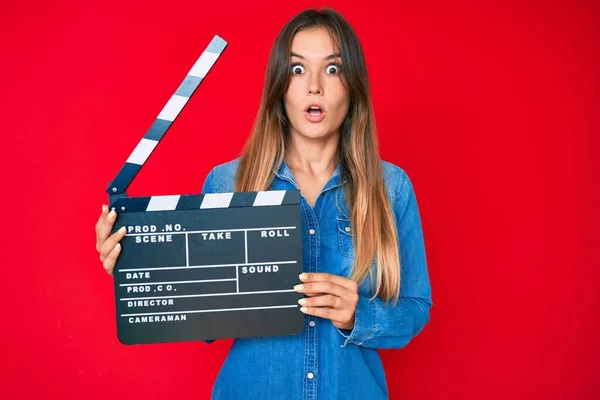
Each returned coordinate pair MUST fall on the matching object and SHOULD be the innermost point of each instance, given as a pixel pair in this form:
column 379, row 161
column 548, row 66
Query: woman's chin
column 315, row 134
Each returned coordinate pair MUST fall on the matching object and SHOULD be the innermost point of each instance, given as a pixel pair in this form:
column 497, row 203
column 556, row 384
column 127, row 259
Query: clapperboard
column 205, row 266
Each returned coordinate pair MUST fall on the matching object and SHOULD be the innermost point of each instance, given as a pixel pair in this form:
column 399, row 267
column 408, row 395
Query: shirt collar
column 284, row 172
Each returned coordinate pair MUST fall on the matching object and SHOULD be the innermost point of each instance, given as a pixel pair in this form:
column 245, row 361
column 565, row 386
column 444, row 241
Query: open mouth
column 314, row 111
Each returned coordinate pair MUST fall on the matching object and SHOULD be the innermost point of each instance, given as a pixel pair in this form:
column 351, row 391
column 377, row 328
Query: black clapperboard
column 205, row 266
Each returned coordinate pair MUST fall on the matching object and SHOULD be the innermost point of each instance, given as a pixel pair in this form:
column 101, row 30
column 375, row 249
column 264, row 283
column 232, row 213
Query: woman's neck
column 315, row 157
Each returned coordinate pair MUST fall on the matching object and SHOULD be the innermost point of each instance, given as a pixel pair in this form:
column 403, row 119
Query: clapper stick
column 203, row 266
column 117, row 188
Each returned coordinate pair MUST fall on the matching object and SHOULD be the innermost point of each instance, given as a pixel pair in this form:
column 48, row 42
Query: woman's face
column 316, row 101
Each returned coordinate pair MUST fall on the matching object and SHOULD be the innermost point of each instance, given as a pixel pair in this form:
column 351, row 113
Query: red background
column 491, row 107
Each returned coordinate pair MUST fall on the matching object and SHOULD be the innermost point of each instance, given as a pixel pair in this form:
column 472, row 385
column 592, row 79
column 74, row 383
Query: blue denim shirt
column 323, row 362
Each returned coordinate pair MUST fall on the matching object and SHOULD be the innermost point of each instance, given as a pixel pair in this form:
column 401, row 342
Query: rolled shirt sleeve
column 378, row 324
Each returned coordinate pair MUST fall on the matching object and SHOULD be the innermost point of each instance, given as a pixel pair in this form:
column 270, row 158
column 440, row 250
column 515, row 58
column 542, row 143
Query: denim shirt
column 322, row 361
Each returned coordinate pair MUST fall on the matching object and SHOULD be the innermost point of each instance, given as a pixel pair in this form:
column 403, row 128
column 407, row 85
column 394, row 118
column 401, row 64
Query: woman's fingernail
column 122, row 230
column 117, row 247
column 298, row 287
column 302, row 301
column 303, row 276
column 303, row 309
column 103, row 208
column 111, row 214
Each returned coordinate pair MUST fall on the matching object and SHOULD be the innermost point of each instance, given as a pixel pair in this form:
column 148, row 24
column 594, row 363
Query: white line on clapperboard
column 175, row 282
column 237, row 269
column 206, row 266
column 208, row 295
column 205, row 311
column 246, row 244
column 214, row 230
column 237, row 278
column 187, row 252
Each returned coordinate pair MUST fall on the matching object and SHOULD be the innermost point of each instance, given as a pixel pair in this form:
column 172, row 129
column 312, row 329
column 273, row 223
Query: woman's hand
column 108, row 245
column 330, row 296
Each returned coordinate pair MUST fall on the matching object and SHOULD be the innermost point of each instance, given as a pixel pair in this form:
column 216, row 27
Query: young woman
column 365, row 280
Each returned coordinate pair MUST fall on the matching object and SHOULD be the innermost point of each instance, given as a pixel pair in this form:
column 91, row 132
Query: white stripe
column 163, row 203
column 142, row 151
column 173, row 107
column 269, row 198
column 216, row 200
column 203, row 64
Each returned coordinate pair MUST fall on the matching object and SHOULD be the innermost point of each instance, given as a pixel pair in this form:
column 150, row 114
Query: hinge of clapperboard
column 117, row 188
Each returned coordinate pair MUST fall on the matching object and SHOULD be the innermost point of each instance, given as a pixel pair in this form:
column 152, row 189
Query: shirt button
column 311, row 323
column 312, row 231
column 347, row 229
column 310, row 375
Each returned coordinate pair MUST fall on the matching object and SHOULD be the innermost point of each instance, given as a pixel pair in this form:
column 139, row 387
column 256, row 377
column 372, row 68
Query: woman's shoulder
column 222, row 176
column 395, row 178
column 227, row 169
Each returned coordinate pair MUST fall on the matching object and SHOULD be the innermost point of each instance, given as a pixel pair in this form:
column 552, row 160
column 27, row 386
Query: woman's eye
column 297, row 69
column 333, row 69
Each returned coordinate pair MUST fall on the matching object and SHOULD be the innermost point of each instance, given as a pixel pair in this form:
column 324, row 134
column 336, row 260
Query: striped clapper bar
column 203, row 266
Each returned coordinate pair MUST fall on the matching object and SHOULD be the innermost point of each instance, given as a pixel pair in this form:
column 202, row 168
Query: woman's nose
column 314, row 85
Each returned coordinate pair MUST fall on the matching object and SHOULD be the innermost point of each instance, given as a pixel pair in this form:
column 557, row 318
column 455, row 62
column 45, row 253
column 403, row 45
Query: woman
column 365, row 280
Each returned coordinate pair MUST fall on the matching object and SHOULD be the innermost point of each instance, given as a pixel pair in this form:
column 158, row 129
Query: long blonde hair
column 372, row 219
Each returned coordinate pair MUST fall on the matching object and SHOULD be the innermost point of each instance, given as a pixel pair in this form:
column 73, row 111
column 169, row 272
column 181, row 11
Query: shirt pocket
column 344, row 233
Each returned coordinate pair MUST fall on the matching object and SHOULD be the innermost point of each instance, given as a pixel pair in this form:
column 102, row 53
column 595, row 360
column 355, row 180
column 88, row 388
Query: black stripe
column 188, row 86
column 131, row 204
column 243, row 199
column 158, row 129
column 291, row 197
column 190, row 202
column 123, row 178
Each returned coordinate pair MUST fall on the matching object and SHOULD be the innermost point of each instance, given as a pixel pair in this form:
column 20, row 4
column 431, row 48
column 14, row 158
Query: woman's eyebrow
column 329, row 57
